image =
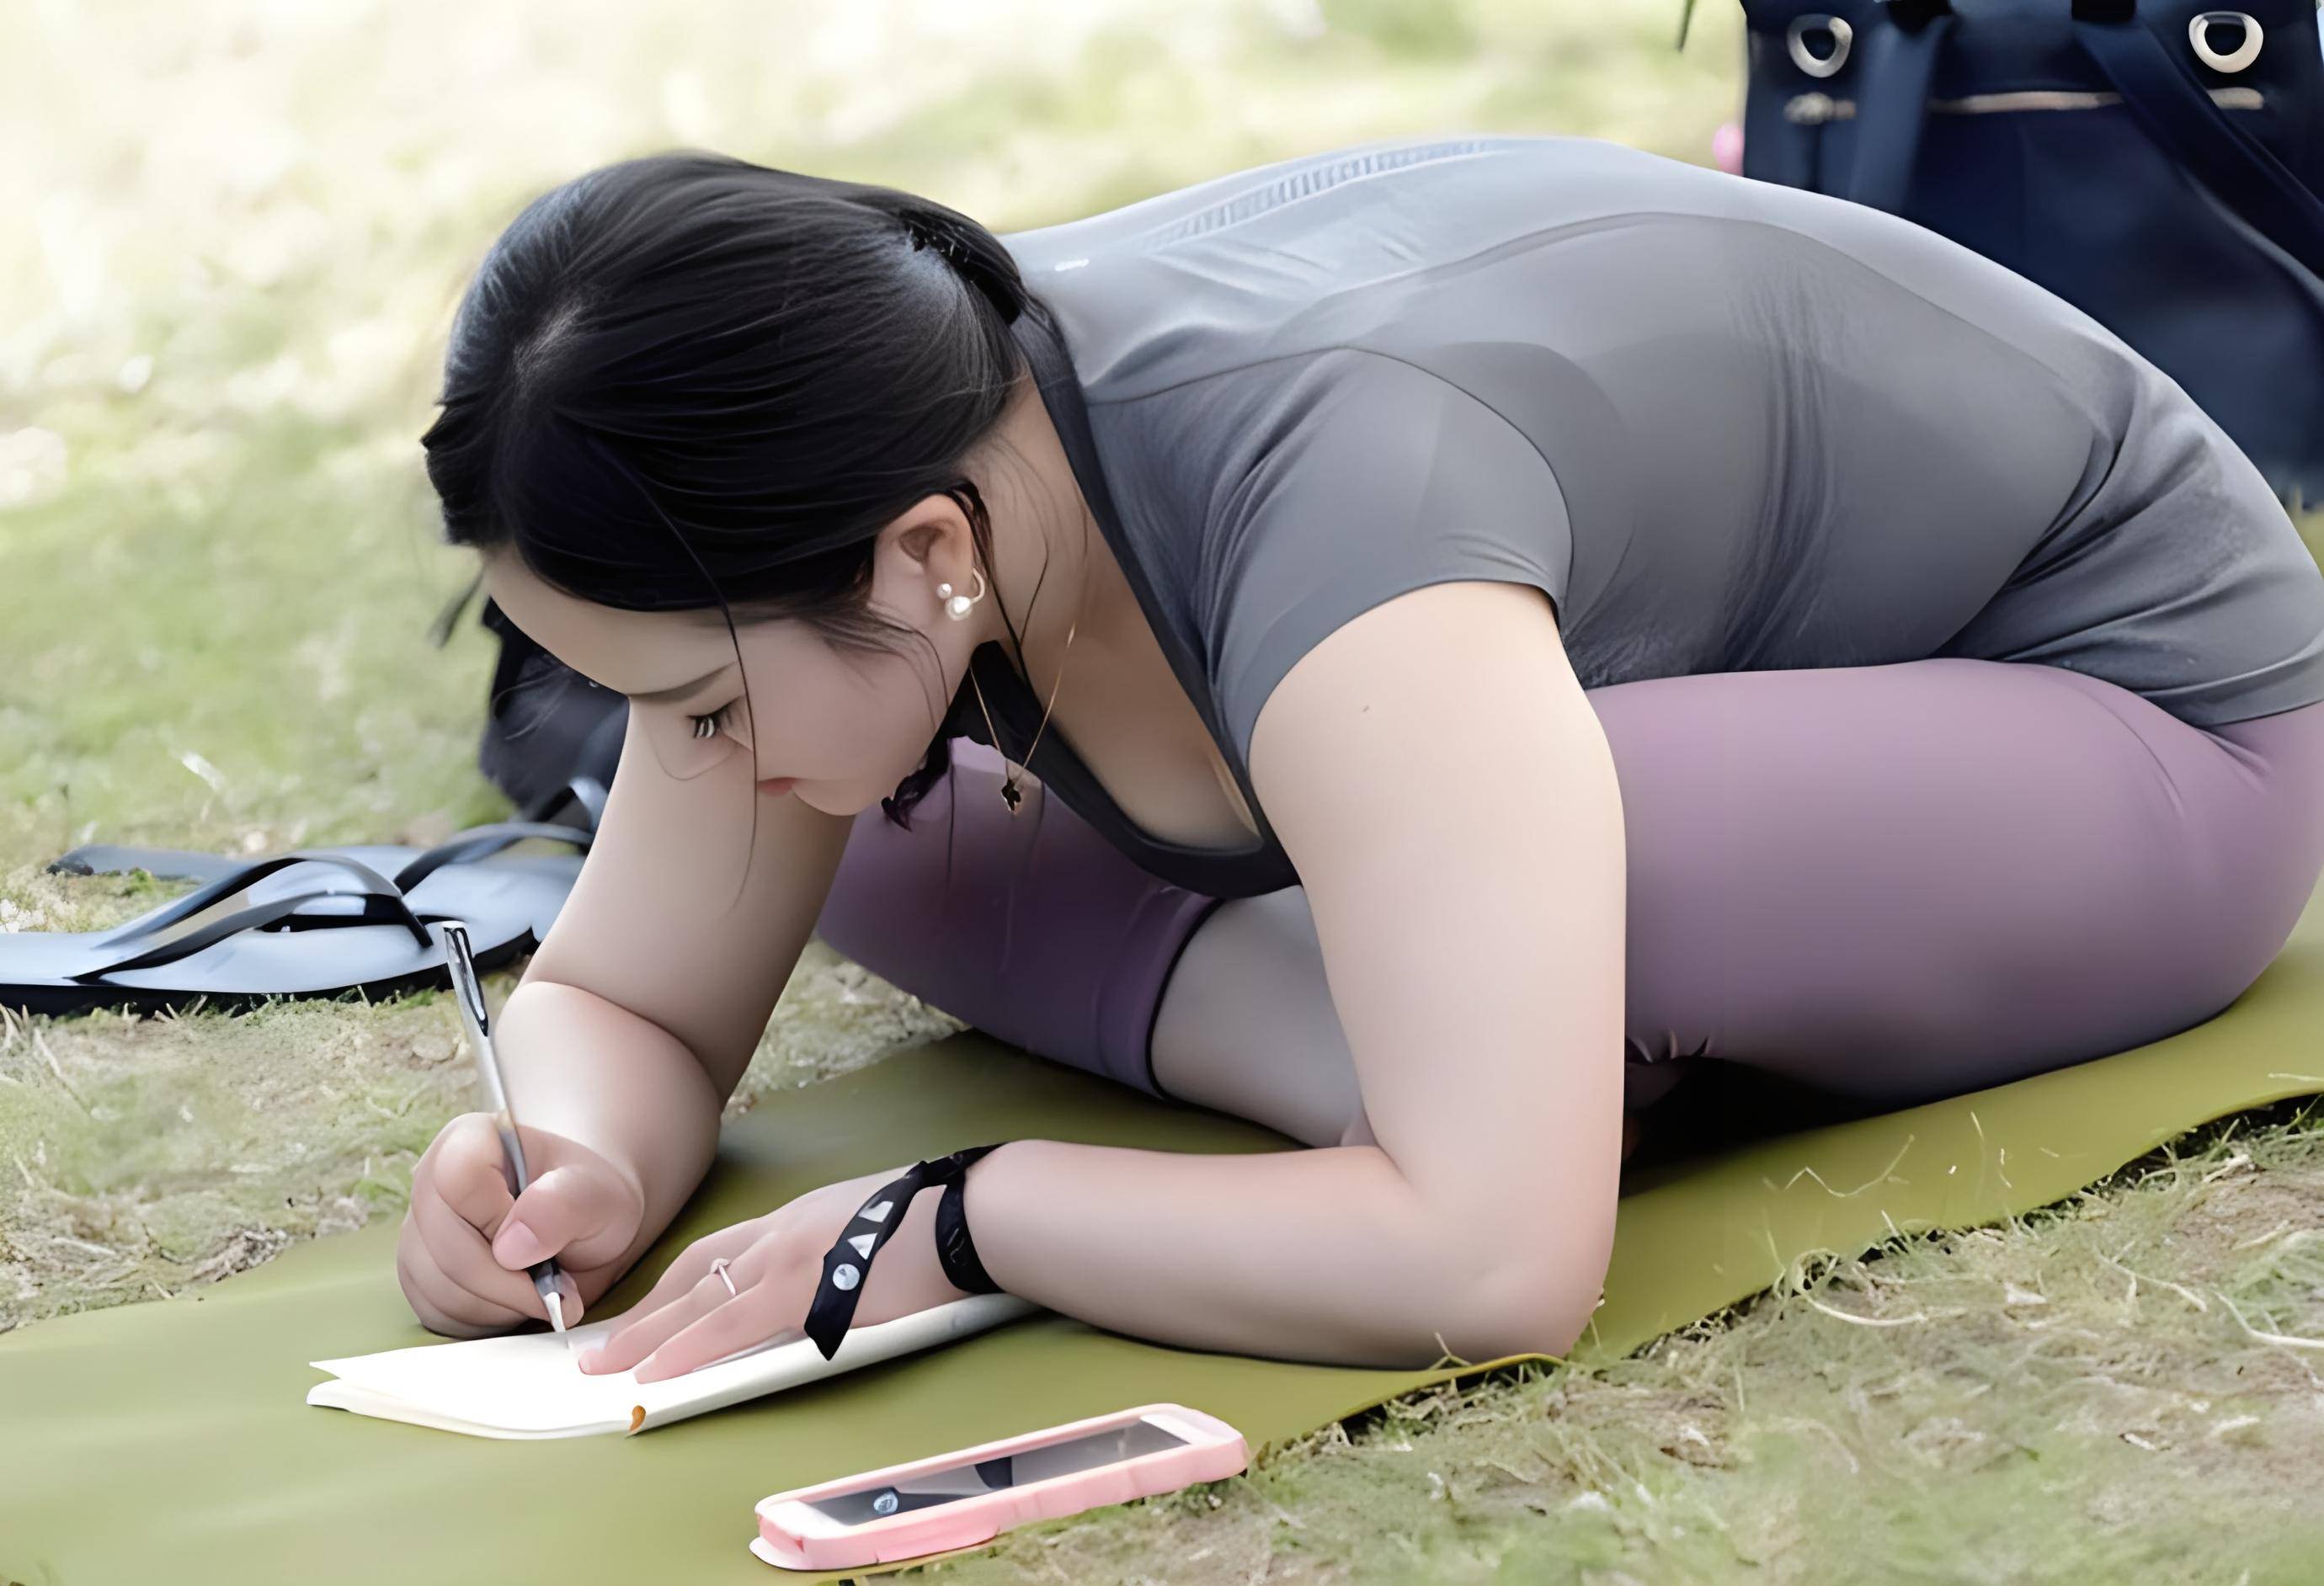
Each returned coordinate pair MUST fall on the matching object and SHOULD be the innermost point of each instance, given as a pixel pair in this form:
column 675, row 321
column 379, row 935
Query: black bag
column 551, row 738
column 546, row 726
column 2152, row 163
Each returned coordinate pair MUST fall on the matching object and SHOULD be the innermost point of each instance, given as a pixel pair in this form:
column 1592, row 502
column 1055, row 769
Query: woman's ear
column 928, row 544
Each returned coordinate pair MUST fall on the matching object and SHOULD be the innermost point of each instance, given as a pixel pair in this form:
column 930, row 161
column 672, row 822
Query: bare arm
column 631, row 1027
column 1438, row 774
column 1442, row 783
column 635, row 1020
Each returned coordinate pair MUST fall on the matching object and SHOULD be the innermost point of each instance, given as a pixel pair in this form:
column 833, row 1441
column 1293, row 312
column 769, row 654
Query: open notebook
column 528, row 1384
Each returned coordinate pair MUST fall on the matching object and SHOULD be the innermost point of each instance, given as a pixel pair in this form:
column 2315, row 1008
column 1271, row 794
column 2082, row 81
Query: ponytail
column 974, row 253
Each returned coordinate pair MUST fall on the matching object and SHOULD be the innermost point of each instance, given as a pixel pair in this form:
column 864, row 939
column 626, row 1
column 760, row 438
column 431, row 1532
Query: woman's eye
column 707, row 726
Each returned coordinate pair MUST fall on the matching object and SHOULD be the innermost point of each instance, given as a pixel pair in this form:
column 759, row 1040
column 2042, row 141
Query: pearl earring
column 957, row 606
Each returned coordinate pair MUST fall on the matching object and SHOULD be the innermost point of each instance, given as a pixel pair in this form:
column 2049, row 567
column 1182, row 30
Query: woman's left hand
column 688, row 1320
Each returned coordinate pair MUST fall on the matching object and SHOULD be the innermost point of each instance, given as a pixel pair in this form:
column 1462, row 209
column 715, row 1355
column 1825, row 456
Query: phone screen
column 1085, row 1452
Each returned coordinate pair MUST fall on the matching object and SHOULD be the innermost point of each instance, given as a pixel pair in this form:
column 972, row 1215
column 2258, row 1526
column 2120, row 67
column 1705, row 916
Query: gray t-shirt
column 1724, row 424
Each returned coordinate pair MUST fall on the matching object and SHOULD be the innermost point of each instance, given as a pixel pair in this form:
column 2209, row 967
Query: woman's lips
column 778, row 784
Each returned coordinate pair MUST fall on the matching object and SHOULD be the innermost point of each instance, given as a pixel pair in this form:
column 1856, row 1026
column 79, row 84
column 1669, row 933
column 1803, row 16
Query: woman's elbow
column 1535, row 1307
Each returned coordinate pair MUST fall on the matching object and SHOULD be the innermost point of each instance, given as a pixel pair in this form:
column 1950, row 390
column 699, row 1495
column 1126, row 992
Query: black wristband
column 849, row 1259
column 955, row 1250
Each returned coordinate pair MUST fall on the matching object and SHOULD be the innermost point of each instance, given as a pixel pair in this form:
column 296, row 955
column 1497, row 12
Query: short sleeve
column 1363, row 476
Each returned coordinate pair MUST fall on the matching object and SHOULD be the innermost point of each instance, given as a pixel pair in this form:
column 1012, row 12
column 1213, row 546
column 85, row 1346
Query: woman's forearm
column 578, row 1066
column 1325, row 1255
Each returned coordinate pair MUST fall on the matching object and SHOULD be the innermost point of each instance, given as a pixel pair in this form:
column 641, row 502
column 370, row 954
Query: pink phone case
column 1216, row 1451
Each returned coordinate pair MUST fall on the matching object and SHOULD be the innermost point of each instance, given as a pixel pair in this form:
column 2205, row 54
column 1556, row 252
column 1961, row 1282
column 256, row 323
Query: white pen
column 468, row 991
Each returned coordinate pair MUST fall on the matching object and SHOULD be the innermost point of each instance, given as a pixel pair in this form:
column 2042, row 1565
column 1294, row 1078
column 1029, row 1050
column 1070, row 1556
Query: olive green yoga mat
column 169, row 1440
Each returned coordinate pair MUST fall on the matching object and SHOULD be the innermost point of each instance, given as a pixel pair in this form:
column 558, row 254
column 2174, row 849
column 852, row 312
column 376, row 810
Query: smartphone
column 959, row 1499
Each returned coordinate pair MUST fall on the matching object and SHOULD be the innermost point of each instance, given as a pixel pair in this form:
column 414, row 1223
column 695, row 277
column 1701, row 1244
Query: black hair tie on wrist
column 849, row 1259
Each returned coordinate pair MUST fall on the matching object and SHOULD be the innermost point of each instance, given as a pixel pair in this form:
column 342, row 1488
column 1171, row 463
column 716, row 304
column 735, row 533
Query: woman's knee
column 1247, row 1024
column 1029, row 926
column 893, row 897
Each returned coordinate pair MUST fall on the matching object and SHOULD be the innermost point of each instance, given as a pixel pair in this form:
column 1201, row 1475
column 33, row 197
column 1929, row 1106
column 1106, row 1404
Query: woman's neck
column 1119, row 701
column 1053, row 572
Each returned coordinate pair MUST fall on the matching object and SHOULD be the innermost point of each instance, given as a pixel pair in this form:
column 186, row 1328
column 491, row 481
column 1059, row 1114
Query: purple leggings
column 1889, row 882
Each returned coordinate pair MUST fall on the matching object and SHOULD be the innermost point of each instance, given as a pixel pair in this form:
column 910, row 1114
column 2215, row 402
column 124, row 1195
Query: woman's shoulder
column 1237, row 197
column 1303, row 254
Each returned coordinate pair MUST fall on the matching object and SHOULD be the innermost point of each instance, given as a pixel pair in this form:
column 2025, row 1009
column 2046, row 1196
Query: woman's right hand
column 467, row 1242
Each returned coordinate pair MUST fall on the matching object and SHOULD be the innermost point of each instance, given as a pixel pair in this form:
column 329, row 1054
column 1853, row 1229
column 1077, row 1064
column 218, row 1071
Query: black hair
column 687, row 380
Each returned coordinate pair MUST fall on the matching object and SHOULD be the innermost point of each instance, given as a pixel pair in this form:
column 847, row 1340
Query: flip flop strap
column 186, row 865
column 205, row 897
column 479, row 841
column 214, row 932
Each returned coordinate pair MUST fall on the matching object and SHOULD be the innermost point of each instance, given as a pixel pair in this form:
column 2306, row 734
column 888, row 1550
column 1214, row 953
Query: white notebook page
column 528, row 1384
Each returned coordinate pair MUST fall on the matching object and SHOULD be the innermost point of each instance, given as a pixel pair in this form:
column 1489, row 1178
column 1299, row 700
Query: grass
column 138, row 1157
column 245, row 227
column 2081, row 1395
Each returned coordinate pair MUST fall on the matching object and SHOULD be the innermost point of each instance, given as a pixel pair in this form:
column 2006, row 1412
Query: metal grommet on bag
column 2199, row 34
column 1806, row 60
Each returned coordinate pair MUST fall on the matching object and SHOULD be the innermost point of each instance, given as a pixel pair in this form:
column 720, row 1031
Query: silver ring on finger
column 718, row 1270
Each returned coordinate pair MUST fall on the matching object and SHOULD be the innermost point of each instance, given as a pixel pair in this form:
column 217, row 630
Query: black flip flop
column 317, row 922
column 187, row 865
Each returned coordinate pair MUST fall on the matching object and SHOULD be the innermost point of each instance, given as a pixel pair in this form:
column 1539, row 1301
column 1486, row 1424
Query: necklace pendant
column 1009, row 795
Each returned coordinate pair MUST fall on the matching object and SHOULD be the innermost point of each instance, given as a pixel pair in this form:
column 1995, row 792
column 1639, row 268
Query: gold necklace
column 1010, row 794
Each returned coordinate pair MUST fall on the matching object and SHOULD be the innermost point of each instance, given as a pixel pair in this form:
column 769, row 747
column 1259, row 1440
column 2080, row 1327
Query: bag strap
column 2174, row 108
column 1900, row 59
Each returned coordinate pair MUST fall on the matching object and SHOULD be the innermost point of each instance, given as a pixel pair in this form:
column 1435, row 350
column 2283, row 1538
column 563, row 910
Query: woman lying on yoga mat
column 1476, row 610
